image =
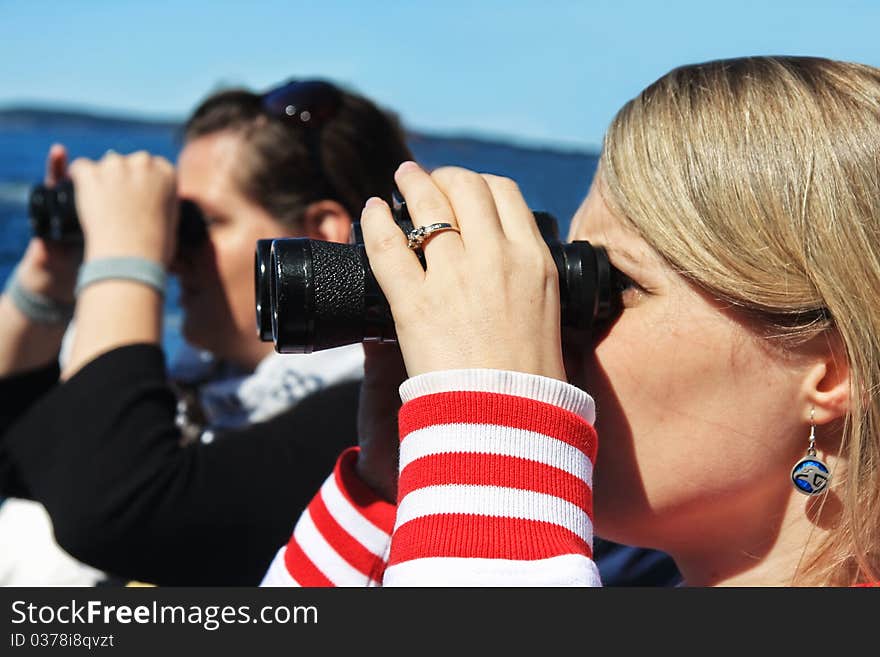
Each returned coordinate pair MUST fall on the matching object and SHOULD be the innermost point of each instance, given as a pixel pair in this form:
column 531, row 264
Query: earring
column 810, row 476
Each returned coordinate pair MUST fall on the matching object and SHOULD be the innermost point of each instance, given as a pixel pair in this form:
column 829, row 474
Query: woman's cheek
column 237, row 275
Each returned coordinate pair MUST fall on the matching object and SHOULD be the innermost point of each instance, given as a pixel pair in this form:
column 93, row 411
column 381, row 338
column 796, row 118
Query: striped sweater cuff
column 495, row 482
column 519, row 384
column 342, row 537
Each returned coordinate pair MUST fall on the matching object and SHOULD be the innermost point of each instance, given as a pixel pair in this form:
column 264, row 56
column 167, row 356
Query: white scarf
column 231, row 398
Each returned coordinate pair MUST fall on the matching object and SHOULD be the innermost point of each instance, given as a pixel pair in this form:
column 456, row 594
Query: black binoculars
column 52, row 212
column 313, row 295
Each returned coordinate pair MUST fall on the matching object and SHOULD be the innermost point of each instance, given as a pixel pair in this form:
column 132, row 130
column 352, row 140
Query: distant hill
column 20, row 117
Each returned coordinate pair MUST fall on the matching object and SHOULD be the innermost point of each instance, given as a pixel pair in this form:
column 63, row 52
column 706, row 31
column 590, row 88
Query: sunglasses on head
column 306, row 105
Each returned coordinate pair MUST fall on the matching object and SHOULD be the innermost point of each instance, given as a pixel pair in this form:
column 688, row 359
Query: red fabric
column 360, row 495
column 435, row 532
column 344, row 543
column 440, row 533
column 301, row 567
column 484, row 537
column 501, row 410
column 494, row 470
column 362, row 501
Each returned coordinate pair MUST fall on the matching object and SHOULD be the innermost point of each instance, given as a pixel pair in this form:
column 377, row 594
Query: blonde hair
column 759, row 180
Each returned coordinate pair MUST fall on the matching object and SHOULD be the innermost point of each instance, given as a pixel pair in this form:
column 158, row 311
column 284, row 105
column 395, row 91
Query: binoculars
column 313, row 295
column 52, row 212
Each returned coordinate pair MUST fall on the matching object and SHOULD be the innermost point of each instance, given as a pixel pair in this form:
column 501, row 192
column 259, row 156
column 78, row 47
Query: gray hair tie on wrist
column 37, row 307
column 141, row 270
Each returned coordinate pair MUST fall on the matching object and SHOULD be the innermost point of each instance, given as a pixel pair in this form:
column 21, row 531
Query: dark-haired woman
column 140, row 479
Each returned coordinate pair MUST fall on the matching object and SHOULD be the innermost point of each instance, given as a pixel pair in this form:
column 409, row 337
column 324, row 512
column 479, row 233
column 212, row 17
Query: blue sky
column 540, row 71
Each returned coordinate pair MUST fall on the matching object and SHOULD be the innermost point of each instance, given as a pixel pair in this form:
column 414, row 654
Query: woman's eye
column 627, row 288
column 625, row 283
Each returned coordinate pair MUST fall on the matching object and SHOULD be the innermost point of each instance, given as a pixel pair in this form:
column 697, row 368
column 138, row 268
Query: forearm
column 18, row 392
column 342, row 537
column 111, row 314
column 102, row 452
column 495, row 483
column 495, row 489
column 25, row 344
column 28, row 370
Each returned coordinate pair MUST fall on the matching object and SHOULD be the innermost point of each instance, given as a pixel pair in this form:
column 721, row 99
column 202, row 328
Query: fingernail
column 407, row 166
column 373, row 201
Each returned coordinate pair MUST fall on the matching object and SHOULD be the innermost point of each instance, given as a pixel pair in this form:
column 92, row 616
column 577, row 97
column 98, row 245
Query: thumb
column 56, row 165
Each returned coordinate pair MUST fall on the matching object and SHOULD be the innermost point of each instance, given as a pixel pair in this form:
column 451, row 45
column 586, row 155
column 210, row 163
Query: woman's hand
column 49, row 268
column 46, row 269
column 489, row 297
column 127, row 206
column 377, row 418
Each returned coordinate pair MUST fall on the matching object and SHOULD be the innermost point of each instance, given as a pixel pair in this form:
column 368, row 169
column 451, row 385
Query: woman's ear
column 827, row 383
column 327, row 220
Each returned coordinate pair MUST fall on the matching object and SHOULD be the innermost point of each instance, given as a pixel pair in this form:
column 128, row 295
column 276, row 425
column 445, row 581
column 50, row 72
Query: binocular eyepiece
column 52, row 212
column 313, row 295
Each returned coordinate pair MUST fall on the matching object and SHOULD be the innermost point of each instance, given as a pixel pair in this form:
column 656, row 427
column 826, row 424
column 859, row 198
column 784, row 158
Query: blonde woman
column 736, row 393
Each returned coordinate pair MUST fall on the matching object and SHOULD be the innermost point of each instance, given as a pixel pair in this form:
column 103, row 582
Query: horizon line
column 104, row 113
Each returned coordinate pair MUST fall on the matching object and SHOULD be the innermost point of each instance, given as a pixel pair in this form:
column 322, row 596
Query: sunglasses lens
column 307, row 104
column 311, row 102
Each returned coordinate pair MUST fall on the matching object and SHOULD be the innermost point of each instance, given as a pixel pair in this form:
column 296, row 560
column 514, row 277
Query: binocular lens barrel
column 52, row 213
column 323, row 294
column 262, row 282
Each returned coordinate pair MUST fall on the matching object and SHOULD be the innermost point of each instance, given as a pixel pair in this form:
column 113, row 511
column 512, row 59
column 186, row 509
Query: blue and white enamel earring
column 810, row 476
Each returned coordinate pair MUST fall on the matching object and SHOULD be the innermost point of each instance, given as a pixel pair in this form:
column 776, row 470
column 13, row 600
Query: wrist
column 48, row 270
column 101, row 251
column 34, row 306
column 26, row 344
column 537, row 387
column 42, row 283
column 507, row 359
column 143, row 271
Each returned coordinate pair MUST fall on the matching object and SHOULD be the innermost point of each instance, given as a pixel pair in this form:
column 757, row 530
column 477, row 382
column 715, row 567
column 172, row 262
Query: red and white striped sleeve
column 495, row 489
column 342, row 537
column 495, row 483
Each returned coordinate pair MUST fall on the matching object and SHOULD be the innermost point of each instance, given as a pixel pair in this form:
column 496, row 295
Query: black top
column 102, row 453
